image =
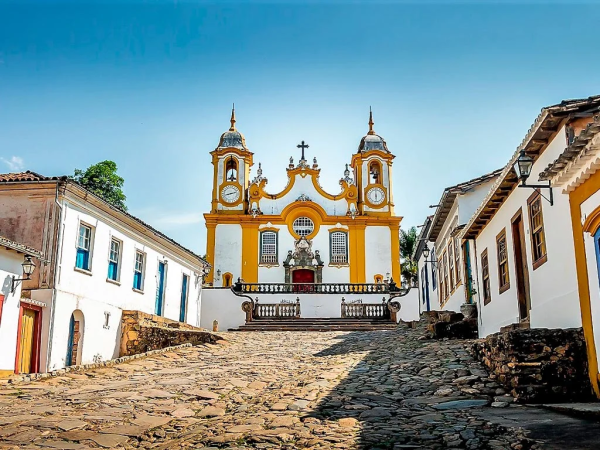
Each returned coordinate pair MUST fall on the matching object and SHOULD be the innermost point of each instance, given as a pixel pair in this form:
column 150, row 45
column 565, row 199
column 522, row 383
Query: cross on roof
column 302, row 146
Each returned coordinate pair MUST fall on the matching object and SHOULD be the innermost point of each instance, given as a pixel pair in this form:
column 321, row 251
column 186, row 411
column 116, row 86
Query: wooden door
column 74, row 339
column 521, row 270
column 27, row 340
column 305, row 279
column 160, row 291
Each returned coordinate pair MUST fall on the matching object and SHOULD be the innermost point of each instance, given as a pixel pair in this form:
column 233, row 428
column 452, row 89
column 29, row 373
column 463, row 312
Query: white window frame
column 90, row 247
column 142, row 271
column 270, row 256
column 303, row 226
column 118, row 260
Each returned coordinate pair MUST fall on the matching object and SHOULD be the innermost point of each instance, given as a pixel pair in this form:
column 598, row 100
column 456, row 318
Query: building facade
column 575, row 175
column 19, row 317
column 426, row 269
column 261, row 236
column 525, row 258
column 98, row 262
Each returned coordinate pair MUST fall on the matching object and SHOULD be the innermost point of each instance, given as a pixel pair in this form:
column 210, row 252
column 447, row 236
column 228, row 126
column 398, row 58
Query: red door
column 304, row 278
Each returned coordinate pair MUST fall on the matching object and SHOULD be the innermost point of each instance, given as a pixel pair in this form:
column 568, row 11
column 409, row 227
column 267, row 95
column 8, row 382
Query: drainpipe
column 57, row 256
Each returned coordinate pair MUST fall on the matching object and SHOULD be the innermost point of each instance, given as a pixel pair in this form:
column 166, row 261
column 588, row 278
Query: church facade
column 302, row 234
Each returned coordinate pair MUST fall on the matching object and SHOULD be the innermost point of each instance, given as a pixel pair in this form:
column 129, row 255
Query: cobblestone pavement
column 379, row 389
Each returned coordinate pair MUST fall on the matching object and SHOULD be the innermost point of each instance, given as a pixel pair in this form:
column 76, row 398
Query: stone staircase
column 321, row 324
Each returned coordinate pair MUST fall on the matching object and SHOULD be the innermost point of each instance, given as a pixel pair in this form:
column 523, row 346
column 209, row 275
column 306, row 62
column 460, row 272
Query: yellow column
column 250, row 252
column 210, row 248
column 395, row 250
column 356, row 248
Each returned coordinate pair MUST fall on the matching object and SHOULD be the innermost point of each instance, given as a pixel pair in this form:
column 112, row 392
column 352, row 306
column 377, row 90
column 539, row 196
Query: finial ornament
column 232, row 128
column 371, row 123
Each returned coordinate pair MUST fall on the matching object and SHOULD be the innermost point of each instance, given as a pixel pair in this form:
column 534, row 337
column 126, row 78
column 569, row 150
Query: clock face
column 376, row 195
column 230, row 194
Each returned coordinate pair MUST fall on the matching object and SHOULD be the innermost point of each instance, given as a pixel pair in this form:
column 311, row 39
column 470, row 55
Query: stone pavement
column 372, row 390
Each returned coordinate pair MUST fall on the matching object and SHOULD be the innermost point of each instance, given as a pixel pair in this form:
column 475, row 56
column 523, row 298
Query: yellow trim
column 6, row 373
column 224, row 278
column 238, row 201
column 245, row 154
column 266, row 228
column 373, row 219
column 303, row 209
column 577, row 197
column 378, row 278
column 250, row 252
column 356, row 250
column 395, row 252
column 210, row 248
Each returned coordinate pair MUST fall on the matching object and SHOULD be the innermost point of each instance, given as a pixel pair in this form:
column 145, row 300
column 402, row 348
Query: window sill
column 268, row 265
column 138, row 291
column 339, row 265
column 504, row 288
column 84, row 271
column 118, row 283
column 539, row 262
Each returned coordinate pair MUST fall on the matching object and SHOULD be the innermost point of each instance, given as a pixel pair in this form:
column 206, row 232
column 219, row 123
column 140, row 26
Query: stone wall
column 141, row 332
column 538, row 365
column 450, row 324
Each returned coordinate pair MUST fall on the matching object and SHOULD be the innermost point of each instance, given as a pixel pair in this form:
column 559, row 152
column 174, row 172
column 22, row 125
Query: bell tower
column 372, row 165
column 231, row 161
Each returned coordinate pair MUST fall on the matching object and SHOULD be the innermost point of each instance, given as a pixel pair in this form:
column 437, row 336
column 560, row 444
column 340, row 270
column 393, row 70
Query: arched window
column 231, row 169
column 268, row 247
column 339, row 247
column 378, row 279
column 227, row 277
column 375, row 172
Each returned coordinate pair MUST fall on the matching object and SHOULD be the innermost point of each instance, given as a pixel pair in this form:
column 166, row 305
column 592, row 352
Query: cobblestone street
column 379, row 389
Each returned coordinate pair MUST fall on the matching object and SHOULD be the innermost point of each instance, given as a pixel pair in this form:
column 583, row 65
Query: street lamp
column 522, row 168
column 28, row 268
column 426, row 252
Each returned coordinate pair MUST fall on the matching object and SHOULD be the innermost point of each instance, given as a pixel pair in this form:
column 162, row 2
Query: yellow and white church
column 302, row 234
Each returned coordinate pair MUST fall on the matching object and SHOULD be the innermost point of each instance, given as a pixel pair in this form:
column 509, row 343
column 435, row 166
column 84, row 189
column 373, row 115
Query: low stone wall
column 450, row 324
column 538, row 365
column 141, row 332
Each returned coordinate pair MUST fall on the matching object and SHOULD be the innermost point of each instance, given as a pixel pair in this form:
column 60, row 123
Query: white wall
column 378, row 252
column 430, row 285
column 409, row 306
column 10, row 265
column 226, row 307
column 554, row 293
column 228, row 252
column 93, row 295
column 592, row 266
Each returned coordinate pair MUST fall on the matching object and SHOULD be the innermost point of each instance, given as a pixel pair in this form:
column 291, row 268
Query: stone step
column 317, row 324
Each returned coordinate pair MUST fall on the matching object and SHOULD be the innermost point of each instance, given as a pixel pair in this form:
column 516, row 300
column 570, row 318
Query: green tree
column 408, row 266
column 102, row 180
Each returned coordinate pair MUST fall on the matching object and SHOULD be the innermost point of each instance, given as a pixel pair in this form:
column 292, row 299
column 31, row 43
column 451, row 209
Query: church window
column 485, row 276
column 231, row 170
column 503, row 279
column 375, row 172
column 303, row 226
column 339, row 247
column 268, row 247
column 227, row 277
column 538, row 237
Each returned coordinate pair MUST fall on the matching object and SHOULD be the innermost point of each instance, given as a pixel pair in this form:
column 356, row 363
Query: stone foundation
column 538, row 365
column 141, row 332
column 449, row 324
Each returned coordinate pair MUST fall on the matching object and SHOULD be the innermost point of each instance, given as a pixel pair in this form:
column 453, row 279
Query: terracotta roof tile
column 22, row 248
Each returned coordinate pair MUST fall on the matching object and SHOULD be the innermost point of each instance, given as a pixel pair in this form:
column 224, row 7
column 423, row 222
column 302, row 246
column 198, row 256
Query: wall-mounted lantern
column 522, row 167
column 28, row 268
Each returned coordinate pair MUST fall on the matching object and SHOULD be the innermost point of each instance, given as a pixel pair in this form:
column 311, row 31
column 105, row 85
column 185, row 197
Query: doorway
column 75, row 342
column 160, row 289
column 28, row 339
column 522, row 273
column 303, row 280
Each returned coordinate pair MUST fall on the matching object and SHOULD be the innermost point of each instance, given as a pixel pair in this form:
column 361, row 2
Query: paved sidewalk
column 379, row 390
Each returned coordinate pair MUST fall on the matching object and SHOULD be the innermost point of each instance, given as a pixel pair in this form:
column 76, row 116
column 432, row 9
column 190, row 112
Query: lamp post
column 28, row 268
column 522, row 167
column 426, row 252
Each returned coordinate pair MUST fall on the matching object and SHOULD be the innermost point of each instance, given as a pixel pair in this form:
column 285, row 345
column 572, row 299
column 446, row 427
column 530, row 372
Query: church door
column 304, row 280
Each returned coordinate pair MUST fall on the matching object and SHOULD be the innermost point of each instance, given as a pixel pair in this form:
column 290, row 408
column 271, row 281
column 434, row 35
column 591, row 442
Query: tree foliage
column 102, row 180
column 408, row 243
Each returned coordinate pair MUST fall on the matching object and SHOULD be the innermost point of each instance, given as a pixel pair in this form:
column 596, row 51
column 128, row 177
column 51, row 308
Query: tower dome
column 372, row 141
column 232, row 137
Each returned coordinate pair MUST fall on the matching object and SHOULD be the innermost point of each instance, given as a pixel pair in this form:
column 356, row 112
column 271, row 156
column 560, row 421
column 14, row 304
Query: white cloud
column 14, row 164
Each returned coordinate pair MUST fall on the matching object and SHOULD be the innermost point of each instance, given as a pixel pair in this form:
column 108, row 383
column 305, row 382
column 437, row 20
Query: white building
column 18, row 333
column 523, row 242
column 453, row 259
column 98, row 261
column 427, row 273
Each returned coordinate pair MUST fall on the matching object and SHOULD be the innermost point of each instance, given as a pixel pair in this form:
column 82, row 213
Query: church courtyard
column 371, row 390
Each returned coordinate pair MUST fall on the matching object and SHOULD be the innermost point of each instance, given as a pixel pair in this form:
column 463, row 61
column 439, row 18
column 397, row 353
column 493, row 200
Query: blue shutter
column 184, row 287
column 112, row 270
column 137, row 281
column 83, row 258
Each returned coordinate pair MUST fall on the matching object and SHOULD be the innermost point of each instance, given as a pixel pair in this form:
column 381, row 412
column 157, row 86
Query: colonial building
column 522, row 232
column 575, row 173
column 301, row 233
column 19, row 317
column 454, row 259
column 98, row 261
column 426, row 270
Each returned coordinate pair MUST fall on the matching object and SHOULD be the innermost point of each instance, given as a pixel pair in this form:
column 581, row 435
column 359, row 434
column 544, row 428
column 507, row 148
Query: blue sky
column 453, row 86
